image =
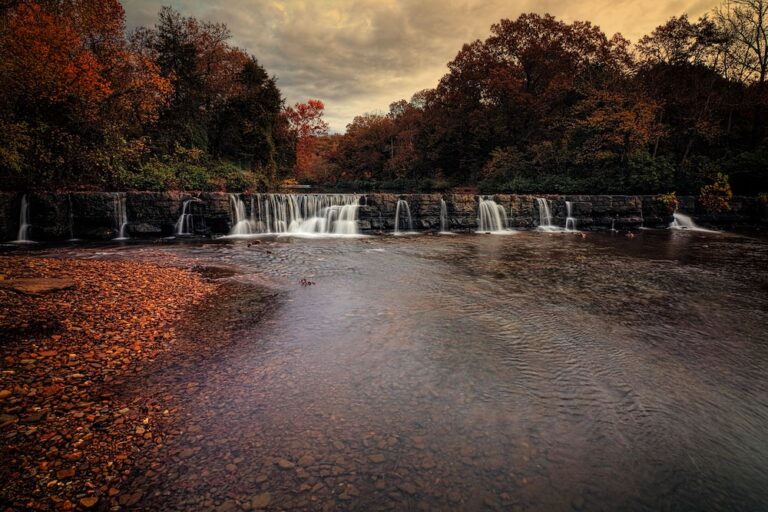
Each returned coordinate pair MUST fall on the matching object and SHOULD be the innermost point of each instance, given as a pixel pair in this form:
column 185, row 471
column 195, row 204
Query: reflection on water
column 536, row 372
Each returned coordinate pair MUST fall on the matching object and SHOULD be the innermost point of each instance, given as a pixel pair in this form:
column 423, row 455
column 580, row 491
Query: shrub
column 155, row 175
column 646, row 174
column 716, row 197
column 669, row 200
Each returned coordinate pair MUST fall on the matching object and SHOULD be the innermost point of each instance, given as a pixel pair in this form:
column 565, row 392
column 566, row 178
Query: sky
column 360, row 56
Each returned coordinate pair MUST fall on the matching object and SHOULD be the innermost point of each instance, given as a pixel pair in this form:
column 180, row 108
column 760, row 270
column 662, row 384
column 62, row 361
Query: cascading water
column 570, row 221
column 545, row 215
column 491, row 217
column 642, row 217
column 402, row 204
column 186, row 225
column 444, row 218
column 241, row 225
column 24, row 225
column 296, row 214
column 121, row 215
column 684, row 222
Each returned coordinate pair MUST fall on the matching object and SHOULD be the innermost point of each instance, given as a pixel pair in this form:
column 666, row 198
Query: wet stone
column 376, row 458
column 285, row 464
column 261, row 501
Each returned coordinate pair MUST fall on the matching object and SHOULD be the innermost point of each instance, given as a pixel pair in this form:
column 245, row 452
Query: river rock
column 37, row 285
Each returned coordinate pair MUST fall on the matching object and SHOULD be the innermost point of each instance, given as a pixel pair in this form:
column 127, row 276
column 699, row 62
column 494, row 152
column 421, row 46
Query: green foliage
column 193, row 170
column 646, row 174
column 155, row 175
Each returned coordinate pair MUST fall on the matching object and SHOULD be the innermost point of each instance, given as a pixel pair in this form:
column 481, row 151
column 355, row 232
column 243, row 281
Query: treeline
column 547, row 106
column 85, row 105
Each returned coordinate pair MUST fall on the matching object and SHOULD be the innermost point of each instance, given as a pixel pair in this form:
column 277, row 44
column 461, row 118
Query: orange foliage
column 47, row 59
column 306, row 122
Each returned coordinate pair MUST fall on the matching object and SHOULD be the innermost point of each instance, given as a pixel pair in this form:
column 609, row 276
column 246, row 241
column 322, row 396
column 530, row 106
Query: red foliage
column 306, row 122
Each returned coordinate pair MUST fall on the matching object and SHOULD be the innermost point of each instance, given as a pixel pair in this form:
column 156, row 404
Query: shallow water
column 536, row 372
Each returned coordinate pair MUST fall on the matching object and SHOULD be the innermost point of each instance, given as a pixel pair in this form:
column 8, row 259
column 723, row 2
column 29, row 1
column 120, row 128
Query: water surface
column 534, row 372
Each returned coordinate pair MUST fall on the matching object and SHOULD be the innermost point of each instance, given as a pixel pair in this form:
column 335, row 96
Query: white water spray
column 305, row 215
column 491, row 217
column 684, row 222
column 444, row 218
column 186, row 225
column 570, row 221
column 402, row 204
column 121, row 215
column 24, row 225
column 545, row 215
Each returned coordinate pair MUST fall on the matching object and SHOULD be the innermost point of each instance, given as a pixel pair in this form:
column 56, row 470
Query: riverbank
column 76, row 410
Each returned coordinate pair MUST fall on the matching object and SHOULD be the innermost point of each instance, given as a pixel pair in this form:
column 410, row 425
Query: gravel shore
column 77, row 414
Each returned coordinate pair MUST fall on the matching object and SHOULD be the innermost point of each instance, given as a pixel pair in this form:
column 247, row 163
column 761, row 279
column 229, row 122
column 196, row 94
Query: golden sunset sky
column 359, row 56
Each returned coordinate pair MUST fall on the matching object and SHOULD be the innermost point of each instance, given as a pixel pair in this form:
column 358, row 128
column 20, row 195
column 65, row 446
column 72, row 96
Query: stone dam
column 109, row 215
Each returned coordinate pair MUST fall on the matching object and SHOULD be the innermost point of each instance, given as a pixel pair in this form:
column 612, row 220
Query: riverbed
column 537, row 371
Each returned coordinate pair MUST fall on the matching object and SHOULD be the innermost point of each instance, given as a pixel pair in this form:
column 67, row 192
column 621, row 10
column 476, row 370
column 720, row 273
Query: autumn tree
column 74, row 93
column 307, row 124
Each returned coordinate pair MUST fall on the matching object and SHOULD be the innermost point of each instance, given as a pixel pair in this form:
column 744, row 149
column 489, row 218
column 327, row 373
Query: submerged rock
column 37, row 285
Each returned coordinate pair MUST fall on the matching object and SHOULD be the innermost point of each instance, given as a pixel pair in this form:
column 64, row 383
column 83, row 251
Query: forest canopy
column 547, row 106
column 86, row 105
column 541, row 105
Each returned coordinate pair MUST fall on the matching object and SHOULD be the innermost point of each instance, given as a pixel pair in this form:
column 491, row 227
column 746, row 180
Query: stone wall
column 154, row 214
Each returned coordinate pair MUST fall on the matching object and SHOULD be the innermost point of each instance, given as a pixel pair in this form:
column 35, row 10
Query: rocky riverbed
column 76, row 414
column 422, row 372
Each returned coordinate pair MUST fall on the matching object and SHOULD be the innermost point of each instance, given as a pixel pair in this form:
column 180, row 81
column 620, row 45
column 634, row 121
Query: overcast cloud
column 359, row 56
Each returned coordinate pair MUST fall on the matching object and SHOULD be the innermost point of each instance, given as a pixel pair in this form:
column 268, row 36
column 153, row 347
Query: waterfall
column 24, row 225
column 491, row 217
column 444, row 218
column 403, row 204
column 545, row 215
column 642, row 217
column 240, row 224
column 296, row 214
column 186, row 224
column 121, row 215
column 613, row 225
column 570, row 221
column 684, row 222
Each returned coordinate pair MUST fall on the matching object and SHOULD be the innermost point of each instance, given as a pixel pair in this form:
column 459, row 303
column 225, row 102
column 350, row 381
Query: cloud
column 359, row 56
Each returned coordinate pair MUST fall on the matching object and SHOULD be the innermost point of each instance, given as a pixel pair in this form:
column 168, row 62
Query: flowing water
column 545, row 215
column 538, row 372
column 299, row 215
column 241, row 224
column 491, row 217
column 681, row 221
column 186, row 224
column 444, row 218
column 121, row 215
column 24, row 223
column 403, row 218
column 570, row 221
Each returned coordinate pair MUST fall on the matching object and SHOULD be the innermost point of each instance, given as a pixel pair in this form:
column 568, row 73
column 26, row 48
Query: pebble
column 261, row 501
column 285, row 464
column 377, row 458
column 89, row 502
column 306, row 460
